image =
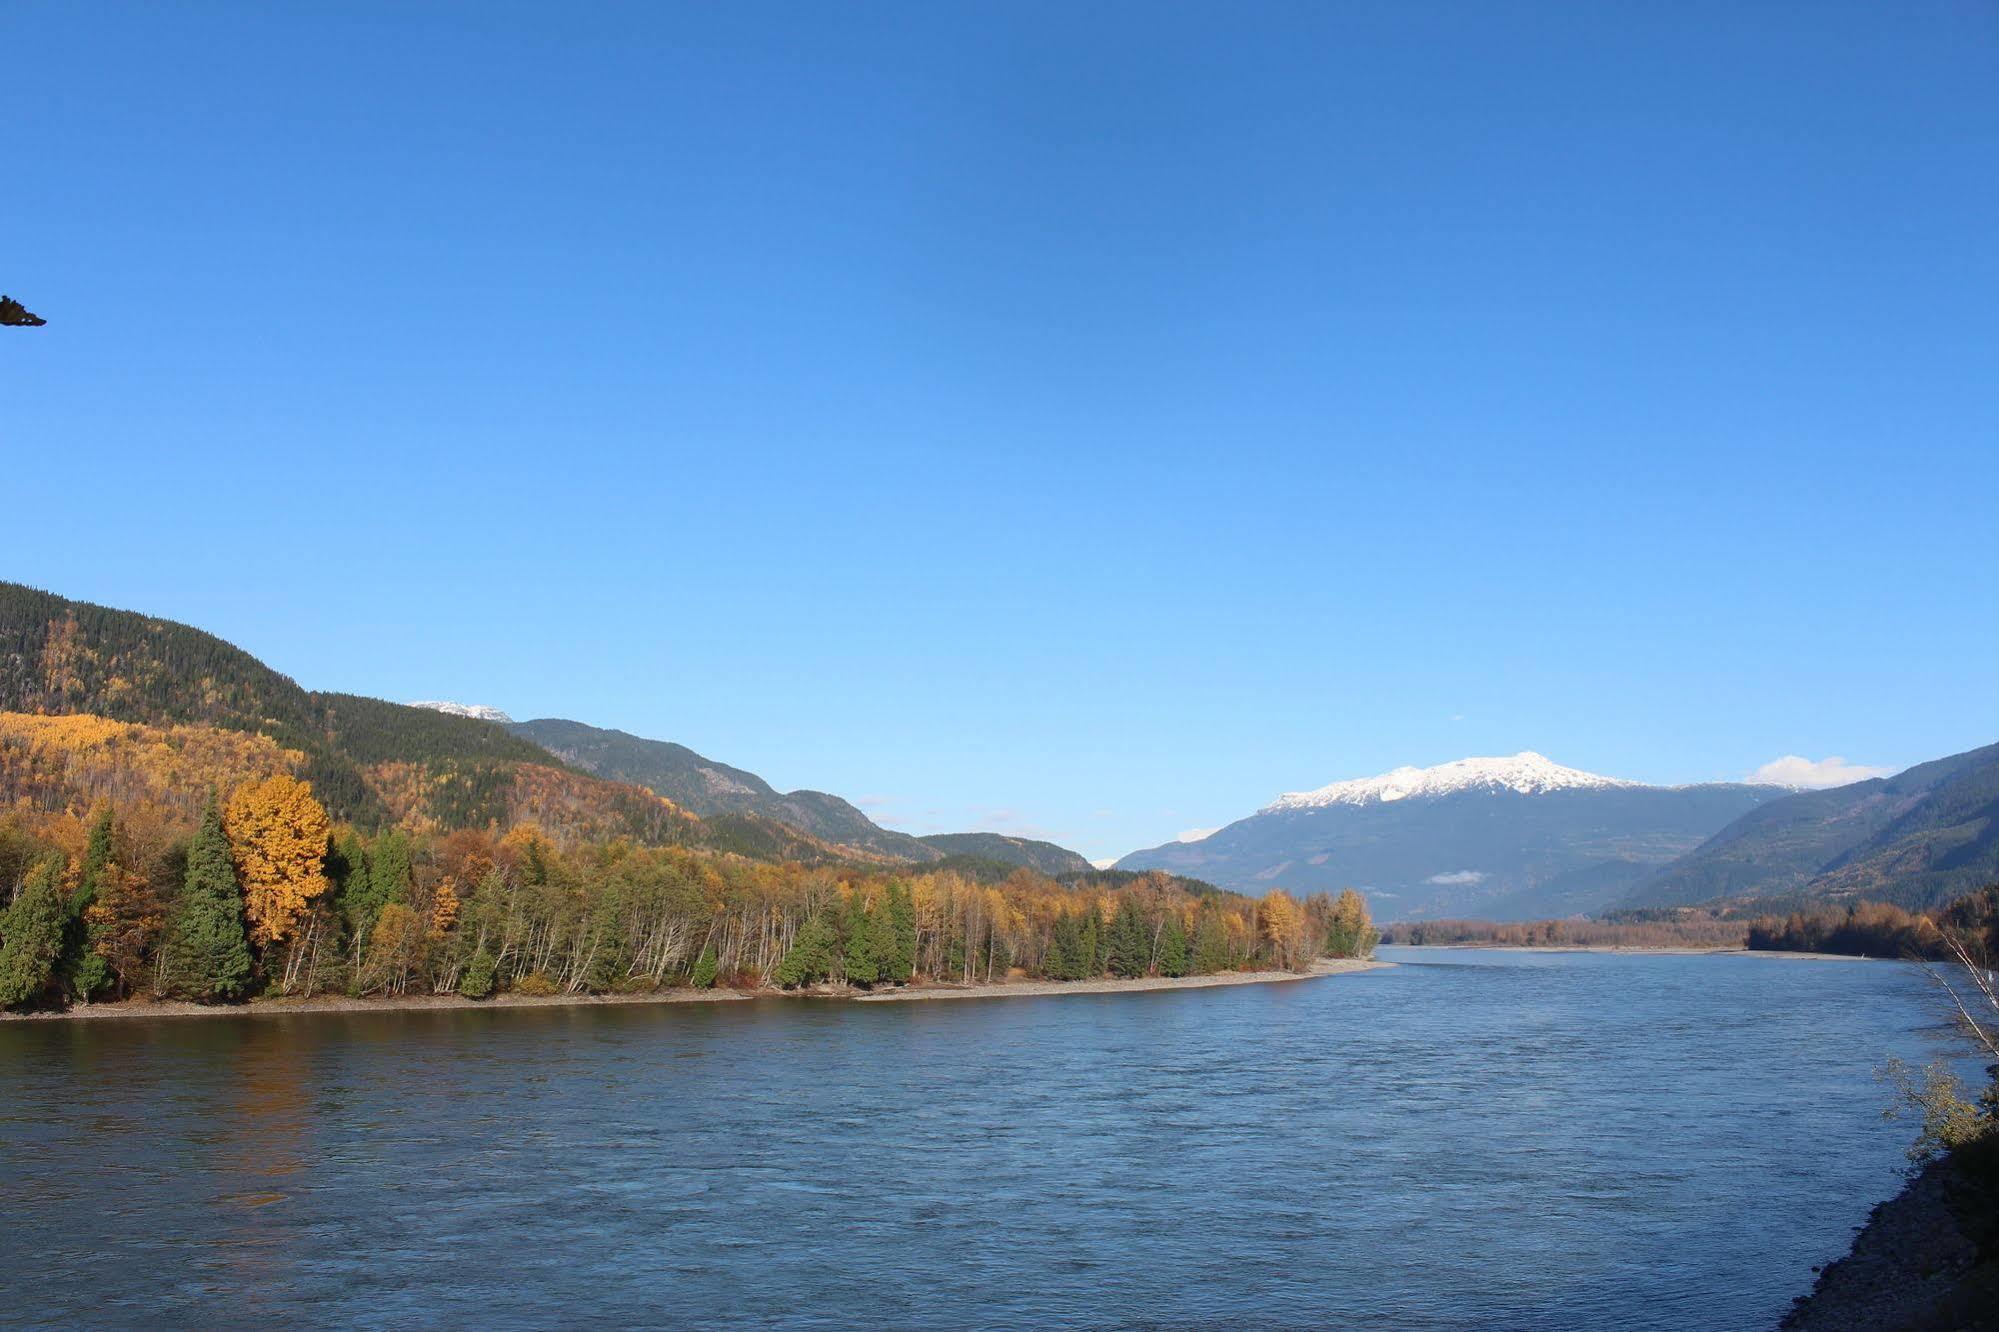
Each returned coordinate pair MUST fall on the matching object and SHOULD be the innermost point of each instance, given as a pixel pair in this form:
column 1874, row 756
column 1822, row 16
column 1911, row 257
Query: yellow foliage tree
column 444, row 905
column 1284, row 928
column 277, row 837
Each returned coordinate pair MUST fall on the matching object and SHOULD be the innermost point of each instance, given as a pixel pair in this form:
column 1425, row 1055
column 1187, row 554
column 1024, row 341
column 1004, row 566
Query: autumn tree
column 31, row 935
column 1350, row 932
column 277, row 838
column 207, row 955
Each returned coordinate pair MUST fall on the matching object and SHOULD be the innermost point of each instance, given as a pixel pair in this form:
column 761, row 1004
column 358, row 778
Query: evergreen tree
column 1066, row 956
column 898, row 930
column 860, row 959
column 353, row 888
column 1130, row 944
column 1173, row 956
column 477, row 982
column 207, row 951
column 31, row 935
column 1211, row 945
column 811, row 957
column 389, row 876
column 1090, row 945
column 82, row 969
column 705, row 969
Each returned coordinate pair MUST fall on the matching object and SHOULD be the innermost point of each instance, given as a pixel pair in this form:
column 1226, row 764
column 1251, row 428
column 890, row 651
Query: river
column 1469, row 1139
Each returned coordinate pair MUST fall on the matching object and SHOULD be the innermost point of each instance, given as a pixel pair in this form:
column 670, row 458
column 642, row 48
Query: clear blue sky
column 1080, row 420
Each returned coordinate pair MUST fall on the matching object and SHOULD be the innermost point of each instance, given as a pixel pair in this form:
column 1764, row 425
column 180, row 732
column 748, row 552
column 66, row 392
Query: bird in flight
column 15, row 315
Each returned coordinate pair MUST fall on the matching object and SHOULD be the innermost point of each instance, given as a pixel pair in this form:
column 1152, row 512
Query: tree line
column 266, row 895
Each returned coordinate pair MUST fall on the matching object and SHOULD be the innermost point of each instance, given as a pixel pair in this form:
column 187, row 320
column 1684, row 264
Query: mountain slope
column 709, row 788
column 370, row 762
column 1503, row 838
column 1915, row 839
column 1044, row 857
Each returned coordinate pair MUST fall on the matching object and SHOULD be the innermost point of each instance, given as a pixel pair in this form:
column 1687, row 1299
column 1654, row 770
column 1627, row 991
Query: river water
column 1469, row 1139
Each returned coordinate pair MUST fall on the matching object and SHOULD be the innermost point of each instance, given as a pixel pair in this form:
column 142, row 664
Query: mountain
column 709, row 788
column 1044, row 857
column 1916, row 839
column 1501, row 838
column 475, row 710
column 161, row 710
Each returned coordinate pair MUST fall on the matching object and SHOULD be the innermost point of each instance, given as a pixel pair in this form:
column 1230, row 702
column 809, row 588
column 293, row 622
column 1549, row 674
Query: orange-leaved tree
column 277, row 837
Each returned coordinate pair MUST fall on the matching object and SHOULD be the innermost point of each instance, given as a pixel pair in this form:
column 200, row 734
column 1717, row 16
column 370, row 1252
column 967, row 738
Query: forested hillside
column 706, row 787
column 180, row 692
column 1044, row 857
column 1917, row 839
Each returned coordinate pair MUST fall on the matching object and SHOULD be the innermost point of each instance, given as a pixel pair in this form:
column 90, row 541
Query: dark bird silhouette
column 15, row 315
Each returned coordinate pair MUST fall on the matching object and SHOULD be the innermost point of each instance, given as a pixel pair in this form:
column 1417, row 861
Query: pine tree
column 31, row 935
column 1065, row 950
column 899, row 929
column 389, row 872
column 207, row 953
column 1211, row 944
column 1130, row 945
column 477, row 982
column 860, row 958
column 1173, row 955
column 705, row 969
column 811, row 956
column 82, row 969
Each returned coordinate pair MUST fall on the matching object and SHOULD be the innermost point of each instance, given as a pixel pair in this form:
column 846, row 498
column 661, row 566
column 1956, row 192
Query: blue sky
column 1079, row 421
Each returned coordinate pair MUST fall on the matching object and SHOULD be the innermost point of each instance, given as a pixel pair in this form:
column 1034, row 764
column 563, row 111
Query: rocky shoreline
column 1926, row 1261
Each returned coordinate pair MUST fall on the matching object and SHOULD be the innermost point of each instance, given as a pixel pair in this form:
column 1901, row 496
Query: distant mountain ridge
column 1507, row 837
column 1525, row 773
column 1916, row 839
column 1044, row 857
column 477, row 711
column 707, row 787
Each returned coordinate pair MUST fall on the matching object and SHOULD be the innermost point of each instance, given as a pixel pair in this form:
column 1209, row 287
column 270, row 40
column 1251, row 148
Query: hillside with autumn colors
column 179, row 820
column 158, row 710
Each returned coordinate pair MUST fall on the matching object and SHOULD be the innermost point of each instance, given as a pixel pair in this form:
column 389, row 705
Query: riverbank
column 175, row 1008
column 1030, row 988
column 1926, row 1261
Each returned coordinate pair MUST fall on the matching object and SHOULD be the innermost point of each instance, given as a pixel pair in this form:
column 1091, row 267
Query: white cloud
column 1197, row 834
column 1813, row 774
column 1458, row 876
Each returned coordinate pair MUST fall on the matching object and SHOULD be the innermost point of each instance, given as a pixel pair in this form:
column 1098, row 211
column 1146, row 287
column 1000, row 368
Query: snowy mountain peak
column 1526, row 773
column 478, row 710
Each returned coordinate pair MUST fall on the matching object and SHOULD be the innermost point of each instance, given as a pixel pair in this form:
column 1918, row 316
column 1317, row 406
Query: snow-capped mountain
column 1525, row 773
column 476, row 710
column 1511, row 837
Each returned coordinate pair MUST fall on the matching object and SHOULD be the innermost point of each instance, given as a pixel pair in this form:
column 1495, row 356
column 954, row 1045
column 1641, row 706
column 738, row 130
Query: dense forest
column 262, row 893
column 1862, row 929
column 1664, row 929
column 1880, row 929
